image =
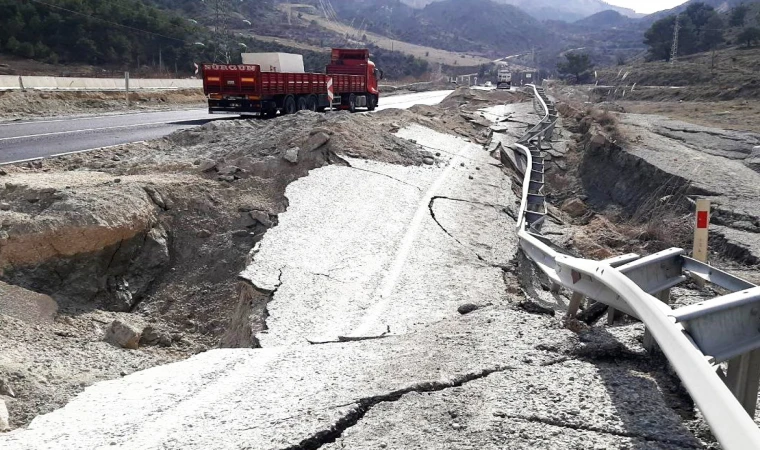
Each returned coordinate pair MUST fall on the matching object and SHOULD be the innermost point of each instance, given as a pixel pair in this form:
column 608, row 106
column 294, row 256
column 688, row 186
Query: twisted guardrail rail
column 695, row 339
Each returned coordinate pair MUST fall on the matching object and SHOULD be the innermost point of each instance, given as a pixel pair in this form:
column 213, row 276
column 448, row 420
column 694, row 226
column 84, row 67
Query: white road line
column 394, row 272
column 19, row 161
column 100, row 116
column 83, row 130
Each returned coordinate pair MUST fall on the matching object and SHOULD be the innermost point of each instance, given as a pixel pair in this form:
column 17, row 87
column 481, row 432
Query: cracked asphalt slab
column 364, row 251
column 481, row 367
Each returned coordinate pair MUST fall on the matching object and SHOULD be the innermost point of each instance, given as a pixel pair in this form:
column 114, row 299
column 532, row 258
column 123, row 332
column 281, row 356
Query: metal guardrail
column 695, row 339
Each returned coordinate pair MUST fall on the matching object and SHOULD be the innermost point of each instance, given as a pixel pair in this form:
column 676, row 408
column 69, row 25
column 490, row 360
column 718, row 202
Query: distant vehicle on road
column 264, row 89
column 504, row 78
column 488, row 84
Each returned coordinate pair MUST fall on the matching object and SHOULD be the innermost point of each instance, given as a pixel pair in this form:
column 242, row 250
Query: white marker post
column 126, row 87
column 700, row 230
column 330, row 92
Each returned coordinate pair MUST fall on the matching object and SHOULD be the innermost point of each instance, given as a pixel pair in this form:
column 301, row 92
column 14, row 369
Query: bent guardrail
column 695, row 339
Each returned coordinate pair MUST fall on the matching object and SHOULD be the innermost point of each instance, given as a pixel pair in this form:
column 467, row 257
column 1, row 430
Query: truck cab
column 504, row 78
column 352, row 61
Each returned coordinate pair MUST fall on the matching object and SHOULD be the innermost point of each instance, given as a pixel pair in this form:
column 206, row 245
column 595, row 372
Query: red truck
column 244, row 88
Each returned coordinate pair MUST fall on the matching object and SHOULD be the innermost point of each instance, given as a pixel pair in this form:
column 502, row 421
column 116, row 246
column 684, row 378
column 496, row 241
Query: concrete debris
column 574, row 207
column 291, row 155
column 4, row 417
column 122, row 335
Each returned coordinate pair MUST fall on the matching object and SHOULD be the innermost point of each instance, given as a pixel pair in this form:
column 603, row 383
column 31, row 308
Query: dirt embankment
column 155, row 234
column 629, row 185
column 35, row 104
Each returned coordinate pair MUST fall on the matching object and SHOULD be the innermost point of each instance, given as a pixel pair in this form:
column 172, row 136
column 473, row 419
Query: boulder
column 467, row 308
column 428, row 160
column 153, row 336
column 291, row 155
column 206, row 165
column 574, row 207
column 261, row 217
column 315, row 141
column 122, row 335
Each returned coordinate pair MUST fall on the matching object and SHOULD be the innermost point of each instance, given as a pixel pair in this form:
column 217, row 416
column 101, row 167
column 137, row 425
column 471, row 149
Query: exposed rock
column 4, row 417
column 122, row 335
column 574, row 207
column 153, row 336
column 229, row 170
column 315, row 141
column 534, row 308
column 316, row 130
column 6, row 389
column 203, row 233
column 467, row 308
column 206, row 165
column 428, row 160
column 227, row 178
column 5, row 206
column 291, row 155
column 156, row 197
column 261, row 217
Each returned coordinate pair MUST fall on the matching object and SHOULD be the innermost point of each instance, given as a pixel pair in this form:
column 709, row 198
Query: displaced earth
column 370, row 262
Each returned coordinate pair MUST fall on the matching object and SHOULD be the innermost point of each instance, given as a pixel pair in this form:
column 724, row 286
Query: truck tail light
column 248, row 80
column 212, row 79
column 254, row 97
column 215, row 96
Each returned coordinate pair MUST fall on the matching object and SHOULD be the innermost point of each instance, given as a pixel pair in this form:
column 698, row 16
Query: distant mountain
column 565, row 10
column 719, row 5
column 604, row 20
column 474, row 26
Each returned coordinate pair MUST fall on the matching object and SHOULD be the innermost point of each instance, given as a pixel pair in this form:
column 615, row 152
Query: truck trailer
column 246, row 88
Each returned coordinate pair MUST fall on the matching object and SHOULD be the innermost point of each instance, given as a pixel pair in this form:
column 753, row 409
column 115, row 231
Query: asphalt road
column 20, row 141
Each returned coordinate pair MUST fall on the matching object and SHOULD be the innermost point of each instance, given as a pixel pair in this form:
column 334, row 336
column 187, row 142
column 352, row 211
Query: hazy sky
column 647, row 6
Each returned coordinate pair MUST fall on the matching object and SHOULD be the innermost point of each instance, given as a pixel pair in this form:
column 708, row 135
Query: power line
column 109, row 22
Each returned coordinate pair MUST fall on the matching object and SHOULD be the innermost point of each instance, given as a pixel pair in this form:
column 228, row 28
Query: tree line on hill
column 116, row 32
column 701, row 28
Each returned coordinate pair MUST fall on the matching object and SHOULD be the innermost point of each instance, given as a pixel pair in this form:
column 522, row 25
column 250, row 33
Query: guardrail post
column 575, row 304
column 20, row 83
column 743, row 378
column 649, row 343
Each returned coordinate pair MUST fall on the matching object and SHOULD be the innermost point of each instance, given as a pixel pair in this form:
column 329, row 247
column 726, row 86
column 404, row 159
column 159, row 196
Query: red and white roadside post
column 700, row 230
column 330, row 92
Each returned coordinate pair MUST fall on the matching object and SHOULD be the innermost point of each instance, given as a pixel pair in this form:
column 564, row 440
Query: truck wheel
column 371, row 102
column 352, row 103
column 303, row 104
column 290, row 106
column 311, row 103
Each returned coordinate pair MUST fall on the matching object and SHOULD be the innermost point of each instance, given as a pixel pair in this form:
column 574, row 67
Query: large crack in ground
column 431, row 208
column 364, row 405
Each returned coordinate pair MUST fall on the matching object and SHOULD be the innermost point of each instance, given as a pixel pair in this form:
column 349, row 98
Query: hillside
column 567, row 10
column 604, row 20
column 719, row 5
column 728, row 74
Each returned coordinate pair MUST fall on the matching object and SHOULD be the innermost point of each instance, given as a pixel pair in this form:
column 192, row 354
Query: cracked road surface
column 389, row 246
column 360, row 250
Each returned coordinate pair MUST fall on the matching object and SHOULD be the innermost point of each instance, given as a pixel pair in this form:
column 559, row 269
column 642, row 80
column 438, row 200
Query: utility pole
column 676, row 30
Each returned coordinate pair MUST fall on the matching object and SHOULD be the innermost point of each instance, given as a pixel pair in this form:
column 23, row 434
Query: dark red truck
column 244, row 88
